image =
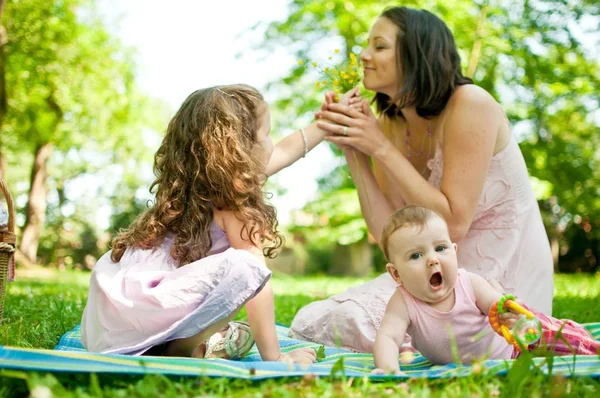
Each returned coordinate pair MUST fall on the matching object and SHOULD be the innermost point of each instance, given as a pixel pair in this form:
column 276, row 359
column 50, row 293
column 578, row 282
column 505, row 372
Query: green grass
column 39, row 309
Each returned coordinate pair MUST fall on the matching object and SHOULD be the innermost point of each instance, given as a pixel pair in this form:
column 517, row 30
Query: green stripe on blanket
column 69, row 356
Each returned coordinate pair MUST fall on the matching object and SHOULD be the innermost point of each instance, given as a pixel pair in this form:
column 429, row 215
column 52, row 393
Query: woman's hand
column 352, row 99
column 349, row 127
column 300, row 355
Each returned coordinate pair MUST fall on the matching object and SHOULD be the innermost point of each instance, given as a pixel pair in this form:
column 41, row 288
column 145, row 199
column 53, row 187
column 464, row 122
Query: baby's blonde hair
column 405, row 217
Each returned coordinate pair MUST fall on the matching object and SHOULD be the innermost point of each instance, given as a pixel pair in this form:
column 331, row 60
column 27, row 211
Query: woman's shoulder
column 473, row 97
column 468, row 101
column 471, row 102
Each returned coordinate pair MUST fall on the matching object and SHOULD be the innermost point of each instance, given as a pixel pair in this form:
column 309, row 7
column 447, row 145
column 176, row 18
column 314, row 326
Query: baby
column 440, row 305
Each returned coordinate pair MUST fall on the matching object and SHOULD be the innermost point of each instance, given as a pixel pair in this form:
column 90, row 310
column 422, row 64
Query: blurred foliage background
column 76, row 129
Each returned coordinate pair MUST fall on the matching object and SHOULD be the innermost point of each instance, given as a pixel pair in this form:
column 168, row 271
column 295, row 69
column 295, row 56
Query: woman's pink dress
column 506, row 242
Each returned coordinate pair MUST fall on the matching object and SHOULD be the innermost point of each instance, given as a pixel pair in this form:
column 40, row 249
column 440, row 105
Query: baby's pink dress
column 506, row 242
column 462, row 334
column 145, row 300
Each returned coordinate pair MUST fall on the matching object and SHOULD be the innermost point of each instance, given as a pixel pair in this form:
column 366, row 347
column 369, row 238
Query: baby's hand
column 509, row 318
column 301, row 355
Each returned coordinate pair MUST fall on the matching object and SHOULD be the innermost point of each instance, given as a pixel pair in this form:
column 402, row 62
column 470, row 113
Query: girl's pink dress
column 145, row 300
column 506, row 242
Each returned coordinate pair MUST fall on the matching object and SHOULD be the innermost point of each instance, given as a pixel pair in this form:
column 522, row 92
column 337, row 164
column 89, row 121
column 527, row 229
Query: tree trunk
column 555, row 247
column 2, row 164
column 355, row 259
column 36, row 206
column 476, row 50
column 3, row 41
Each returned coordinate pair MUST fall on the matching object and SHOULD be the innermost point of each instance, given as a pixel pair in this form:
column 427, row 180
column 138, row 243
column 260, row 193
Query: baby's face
column 424, row 260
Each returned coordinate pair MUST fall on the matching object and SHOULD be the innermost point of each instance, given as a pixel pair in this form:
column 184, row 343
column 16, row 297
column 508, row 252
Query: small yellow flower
column 337, row 50
column 339, row 78
column 300, row 62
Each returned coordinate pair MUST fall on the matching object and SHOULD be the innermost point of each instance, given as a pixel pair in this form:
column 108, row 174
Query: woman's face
column 379, row 58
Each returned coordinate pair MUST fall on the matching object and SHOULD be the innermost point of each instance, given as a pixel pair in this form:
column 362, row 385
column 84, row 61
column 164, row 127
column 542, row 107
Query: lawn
column 41, row 306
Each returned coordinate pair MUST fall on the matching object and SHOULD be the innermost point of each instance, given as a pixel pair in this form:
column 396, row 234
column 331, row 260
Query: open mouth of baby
column 436, row 280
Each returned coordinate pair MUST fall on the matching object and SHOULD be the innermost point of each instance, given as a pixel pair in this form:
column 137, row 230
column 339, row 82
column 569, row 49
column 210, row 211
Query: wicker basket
column 7, row 246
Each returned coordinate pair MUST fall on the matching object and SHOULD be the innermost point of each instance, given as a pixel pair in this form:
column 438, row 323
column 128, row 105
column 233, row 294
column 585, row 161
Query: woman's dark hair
column 427, row 60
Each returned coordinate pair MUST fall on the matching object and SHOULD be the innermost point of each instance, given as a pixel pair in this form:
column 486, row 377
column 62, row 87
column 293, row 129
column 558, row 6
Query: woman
column 439, row 142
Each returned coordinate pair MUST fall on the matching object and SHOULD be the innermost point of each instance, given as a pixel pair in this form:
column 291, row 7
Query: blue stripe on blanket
column 70, row 356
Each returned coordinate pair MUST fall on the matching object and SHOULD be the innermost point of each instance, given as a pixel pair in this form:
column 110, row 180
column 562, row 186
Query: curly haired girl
column 177, row 276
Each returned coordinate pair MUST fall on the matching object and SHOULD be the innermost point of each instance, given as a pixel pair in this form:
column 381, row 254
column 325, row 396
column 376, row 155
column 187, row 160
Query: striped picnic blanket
column 70, row 356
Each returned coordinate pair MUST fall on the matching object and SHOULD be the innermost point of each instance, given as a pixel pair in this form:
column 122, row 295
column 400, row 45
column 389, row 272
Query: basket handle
column 11, row 207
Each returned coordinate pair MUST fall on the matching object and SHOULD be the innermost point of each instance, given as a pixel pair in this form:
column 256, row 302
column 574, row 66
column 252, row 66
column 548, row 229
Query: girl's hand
column 352, row 98
column 348, row 127
column 301, row 355
column 383, row 372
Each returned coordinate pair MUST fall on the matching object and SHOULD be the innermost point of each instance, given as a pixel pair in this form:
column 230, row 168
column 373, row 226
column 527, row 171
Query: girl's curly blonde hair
column 205, row 162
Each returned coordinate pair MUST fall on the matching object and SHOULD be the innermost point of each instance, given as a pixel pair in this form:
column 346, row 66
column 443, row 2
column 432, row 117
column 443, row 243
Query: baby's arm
column 390, row 335
column 261, row 308
column 485, row 294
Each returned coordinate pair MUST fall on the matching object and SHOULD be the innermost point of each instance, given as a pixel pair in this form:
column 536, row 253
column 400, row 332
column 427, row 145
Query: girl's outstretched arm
column 292, row 147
